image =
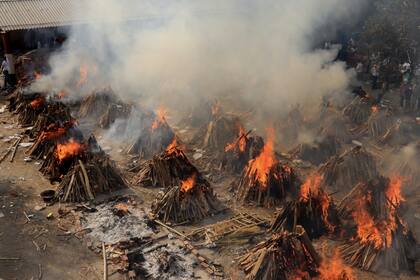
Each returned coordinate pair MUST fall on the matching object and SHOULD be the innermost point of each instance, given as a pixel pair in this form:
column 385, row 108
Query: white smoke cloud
column 260, row 51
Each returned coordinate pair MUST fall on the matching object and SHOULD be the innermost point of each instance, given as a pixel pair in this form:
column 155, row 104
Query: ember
column 188, row 184
column 333, row 268
column 36, row 103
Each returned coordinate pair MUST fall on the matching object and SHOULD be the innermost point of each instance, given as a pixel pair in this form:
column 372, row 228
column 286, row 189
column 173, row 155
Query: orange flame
column 173, row 145
column 333, row 268
column 37, row 75
column 83, row 72
column 38, row 102
column 240, row 142
column 374, row 109
column 393, row 192
column 261, row 165
column 69, row 149
column 160, row 118
column 188, row 184
column 48, row 135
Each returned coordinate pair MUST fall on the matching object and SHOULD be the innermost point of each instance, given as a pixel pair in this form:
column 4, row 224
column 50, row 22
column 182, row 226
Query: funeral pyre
column 380, row 239
column 314, row 210
column 265, row 180
column 191, row 201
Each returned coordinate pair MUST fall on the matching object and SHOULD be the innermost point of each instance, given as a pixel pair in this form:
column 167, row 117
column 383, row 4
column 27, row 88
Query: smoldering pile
column 103, row 106
column 314, row 210
column 381, row 241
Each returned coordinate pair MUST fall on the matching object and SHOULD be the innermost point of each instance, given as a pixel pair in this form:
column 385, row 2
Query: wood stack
column 345, row 170
column 381, row 241
column 219, row 132
column 56, row 113
column 282, row 257
column 319, row 151
column 192, row 201
column 241, row 151
column 359, row 110
column 105, row 106
column 281, row 182
column 382, row 125
column 314, row 210
column 29, row 108
column 165, row 170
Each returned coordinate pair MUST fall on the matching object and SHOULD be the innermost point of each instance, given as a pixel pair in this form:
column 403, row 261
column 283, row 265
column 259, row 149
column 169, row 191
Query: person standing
column 5, row 69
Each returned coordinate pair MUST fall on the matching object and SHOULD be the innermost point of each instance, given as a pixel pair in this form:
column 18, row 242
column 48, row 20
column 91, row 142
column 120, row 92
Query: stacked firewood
column 359, row 110
column 104, row 105
column 28, row 106
column 353, row 166
column 281, row 182
column 284, row 256
column 380, row 239
column 314, row 210
column 191, row 201
column 56, row 113
column 317, row 152
column 382, row 125
column 241, row 151
column 165, row 170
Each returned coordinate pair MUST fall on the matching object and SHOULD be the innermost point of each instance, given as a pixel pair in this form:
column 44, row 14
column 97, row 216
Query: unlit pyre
column 359, row 110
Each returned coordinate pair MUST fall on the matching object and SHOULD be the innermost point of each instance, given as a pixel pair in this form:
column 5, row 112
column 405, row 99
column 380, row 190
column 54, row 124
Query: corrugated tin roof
column 30, row 14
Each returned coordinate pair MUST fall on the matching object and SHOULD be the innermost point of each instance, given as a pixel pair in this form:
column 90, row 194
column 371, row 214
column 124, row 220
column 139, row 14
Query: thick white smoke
column 174, row 51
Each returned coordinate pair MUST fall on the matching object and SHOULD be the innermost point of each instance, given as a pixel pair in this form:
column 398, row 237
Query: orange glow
column 48, row 135
column 160, row 118
column 240, row 142
column 37, row 76
column 83, row 72
column 333, row 268
column 36, row 103
column 69, row 149
column 173, row 145
column 393, row 192
column 261, row 165
column 188, row 184
column 375, row 109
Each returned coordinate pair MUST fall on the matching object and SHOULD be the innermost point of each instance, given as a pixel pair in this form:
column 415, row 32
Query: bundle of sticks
column 359, row 110
column 351, row 167
column 286, row 255
column 314, row 211
column 381, row 241
column 281, row 182
column 165, row 170
column 86, row 180
column 29, row 109
column 381, row 125
column 190, row 202
column 241, row 151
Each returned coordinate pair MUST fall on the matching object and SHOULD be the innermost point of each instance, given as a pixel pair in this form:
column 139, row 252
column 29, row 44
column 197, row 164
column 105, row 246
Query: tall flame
column 333, row 268
column 160, row 118
column 188, row 184
column 69, row 149
column 261, row 165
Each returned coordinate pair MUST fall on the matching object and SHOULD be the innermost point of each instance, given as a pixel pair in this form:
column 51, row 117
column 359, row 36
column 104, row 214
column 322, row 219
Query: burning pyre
column 381, row 240
column 241, row 150
column 265, row 180
column 284, row 256
column 191, row 201
column 155, row 134
column 314, row 210
column 166, row 169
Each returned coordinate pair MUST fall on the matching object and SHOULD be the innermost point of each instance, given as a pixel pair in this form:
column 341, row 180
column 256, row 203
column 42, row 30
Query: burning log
column 284, row 256
column 359, row 110
column 314, row 210
column 192, row 201
column 241, row 151
column 265, row 180
column 104, row 105
column 166, row 169
column 54, row 113
column 353, row 166
column 381, row 240
column 155, row 135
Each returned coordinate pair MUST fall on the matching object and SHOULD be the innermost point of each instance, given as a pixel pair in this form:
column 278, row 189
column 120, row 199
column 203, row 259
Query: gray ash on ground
column 106, row 225
column 169, row 263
